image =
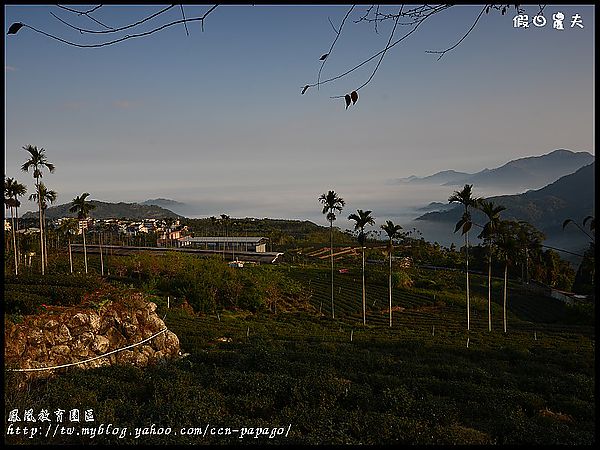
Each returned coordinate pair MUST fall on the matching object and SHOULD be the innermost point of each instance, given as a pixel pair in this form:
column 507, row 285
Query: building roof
column 228, row 239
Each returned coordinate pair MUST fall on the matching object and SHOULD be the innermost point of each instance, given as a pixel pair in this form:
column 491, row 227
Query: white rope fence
column 91, row 359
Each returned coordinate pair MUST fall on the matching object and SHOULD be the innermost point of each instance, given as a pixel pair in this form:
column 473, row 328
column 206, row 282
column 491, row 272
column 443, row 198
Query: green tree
column 362, row 219
column 584, row 278
column 68, row 227
column 332, row 203
column 490, row 228
column 12, row 191
column 529, row 241
column 43, row 196
column 392, row 231
column 465, row 197
column 506, row 241
column 82, row 208
column 37, row 162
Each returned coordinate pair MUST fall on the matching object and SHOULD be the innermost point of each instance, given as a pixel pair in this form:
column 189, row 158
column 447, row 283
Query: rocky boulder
column 118, row 333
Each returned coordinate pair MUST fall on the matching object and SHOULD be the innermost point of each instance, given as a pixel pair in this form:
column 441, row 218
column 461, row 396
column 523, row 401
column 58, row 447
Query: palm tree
column 19, row 190
column 465, row 197
column 362, row 219
column 530, row 242
column 82, row 208
column 392, row 231
column 332, row 203
column 43, row 196
column 68, row 227
column 506, row 242
column 592, row 227
column 489, row 230
column 37, row 161
column 10, row 202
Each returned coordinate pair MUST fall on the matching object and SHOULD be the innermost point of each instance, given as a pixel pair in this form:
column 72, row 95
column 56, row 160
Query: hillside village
column 167, row 231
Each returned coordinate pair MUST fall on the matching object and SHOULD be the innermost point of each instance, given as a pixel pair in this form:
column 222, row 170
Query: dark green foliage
column 399, row 385
column 24, row 294
column 209, row 284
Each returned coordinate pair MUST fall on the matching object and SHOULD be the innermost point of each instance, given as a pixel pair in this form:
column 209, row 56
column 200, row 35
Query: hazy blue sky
column 216, row 119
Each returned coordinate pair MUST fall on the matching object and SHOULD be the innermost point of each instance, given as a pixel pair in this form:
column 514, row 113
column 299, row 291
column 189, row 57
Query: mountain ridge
column 571, row 196
column 531, row 172
column 107, row 210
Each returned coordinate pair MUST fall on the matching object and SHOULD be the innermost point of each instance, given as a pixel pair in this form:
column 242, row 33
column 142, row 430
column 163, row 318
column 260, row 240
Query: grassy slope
column 398, row 385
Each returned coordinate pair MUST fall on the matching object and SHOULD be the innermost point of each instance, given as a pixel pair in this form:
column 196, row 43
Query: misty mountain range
column 105, row 210
column 522, row 174
column 569, row 197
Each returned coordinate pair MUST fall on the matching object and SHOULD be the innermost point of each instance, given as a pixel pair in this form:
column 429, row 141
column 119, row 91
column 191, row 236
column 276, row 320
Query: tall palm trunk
column 84, row 251
column 331, row 253
column 41, row 224
column 468, row 298
column 390, row 282
column 14, row 235
column 17, row 229
column 70, row 255
column 505, row 277
column 490, row 291
column 101, row 258
column 45, row 242
column 364, row 300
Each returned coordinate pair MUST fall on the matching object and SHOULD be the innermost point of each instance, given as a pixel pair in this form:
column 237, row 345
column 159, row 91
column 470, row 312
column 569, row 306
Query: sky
column 216, row 119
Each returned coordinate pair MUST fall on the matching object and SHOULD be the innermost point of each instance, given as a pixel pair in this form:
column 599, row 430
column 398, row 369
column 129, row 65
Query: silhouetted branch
column 114, row 30
column 443, row 52
column 332, row 26
column 86, row 13
column 184, row 24
column 383, row 54
column 333, row 44
column 416, row 16
column 131, row 36
column 358, row 66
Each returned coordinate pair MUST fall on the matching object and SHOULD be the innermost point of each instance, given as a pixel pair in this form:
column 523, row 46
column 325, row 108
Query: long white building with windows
column 256, row 244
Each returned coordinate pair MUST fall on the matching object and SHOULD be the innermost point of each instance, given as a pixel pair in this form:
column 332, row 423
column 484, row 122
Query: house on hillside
column 255, row 244
column 566, row 297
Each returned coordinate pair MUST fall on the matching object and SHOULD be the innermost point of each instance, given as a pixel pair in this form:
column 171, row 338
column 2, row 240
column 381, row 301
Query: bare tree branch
column 333, row 43
column 443, row 52
column 418, row 23
column 115, row 30
column 383, row 54
column 131, row 36
column 87, row 14
column 184, row 23
column 332, row 26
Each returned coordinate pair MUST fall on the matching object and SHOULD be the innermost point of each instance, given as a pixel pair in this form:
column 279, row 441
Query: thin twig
column 333, row 44
column 443, row 52
column 74, row 44
column 424, row 16
column 184, row 24
column 114, row 30
column 332, row 26
column 372, row 57
column 87, row 14
column 383, row 54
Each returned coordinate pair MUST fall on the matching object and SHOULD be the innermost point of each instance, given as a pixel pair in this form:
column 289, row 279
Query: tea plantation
column 297, row 376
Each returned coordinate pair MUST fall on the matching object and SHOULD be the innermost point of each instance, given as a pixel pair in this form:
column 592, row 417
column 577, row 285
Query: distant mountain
column 180, row 208
column 104, row 210
column 436, row 206
column 533, row 172
column 571, row 196
column 162, row 202
column 446, row 176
